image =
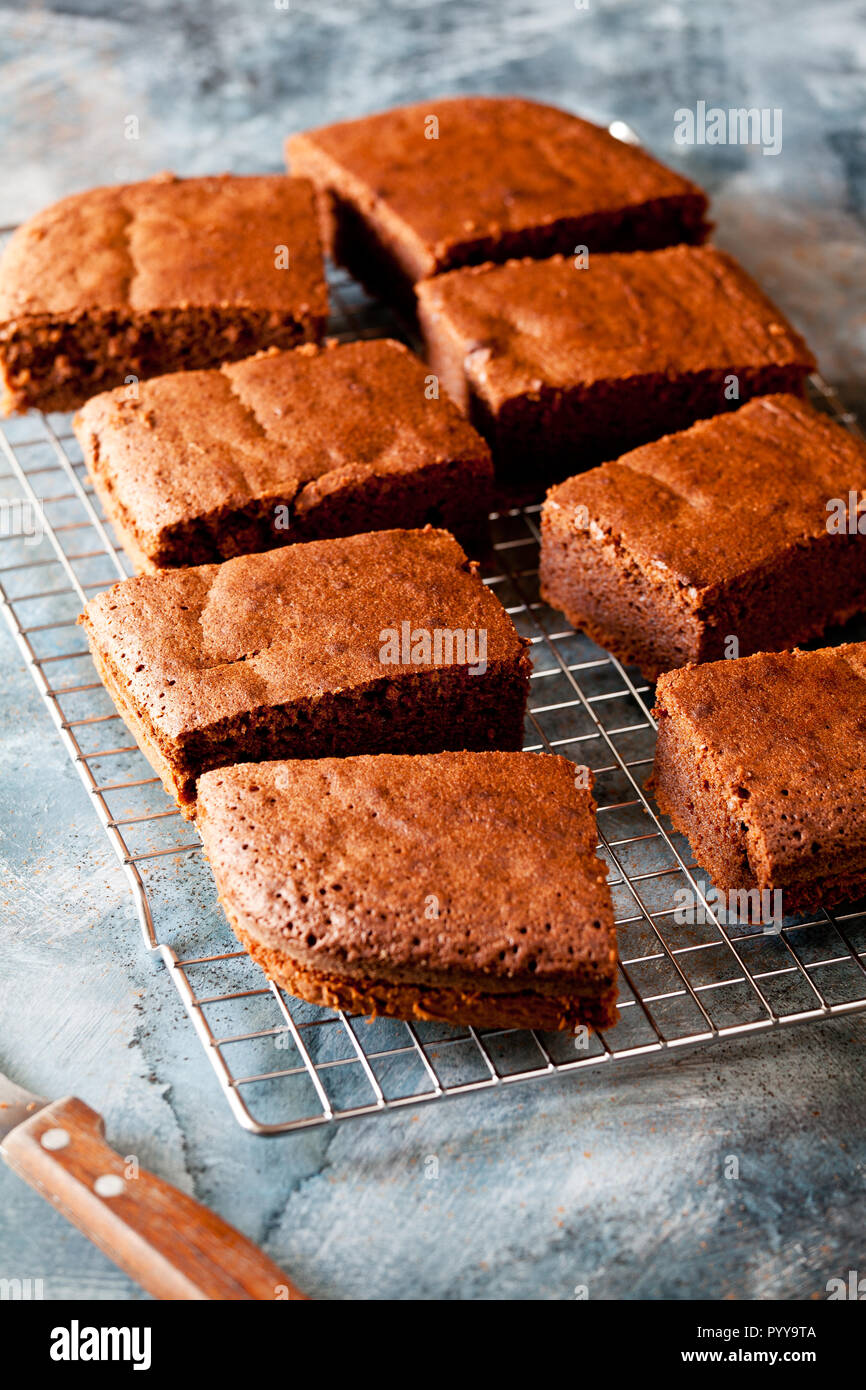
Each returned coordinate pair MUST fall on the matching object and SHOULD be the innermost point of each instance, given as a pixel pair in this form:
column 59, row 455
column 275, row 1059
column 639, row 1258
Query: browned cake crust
column 762, row 764
column 281, row 447
column 718, row 532
column 561, row 368
column 371, row 643
column 504, row 177
column 411, row 885
column 118, row 284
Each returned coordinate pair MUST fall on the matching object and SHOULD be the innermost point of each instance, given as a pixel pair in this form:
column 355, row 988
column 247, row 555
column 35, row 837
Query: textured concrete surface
column 614, row 1180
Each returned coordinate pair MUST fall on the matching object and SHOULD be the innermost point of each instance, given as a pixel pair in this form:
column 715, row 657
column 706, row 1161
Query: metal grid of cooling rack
column 284, row 1064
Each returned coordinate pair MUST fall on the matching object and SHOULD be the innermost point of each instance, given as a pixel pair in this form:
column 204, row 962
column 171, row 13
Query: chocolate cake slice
column 562, row 368
column 118, row 284
column 455, row 181
column 374, row 643
column 717, row 541
column 462, row 887
column 761, row 762
column 282, row 447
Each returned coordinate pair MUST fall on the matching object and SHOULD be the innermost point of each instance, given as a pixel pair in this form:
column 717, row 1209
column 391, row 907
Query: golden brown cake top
column 195, row 646
column 437, row 868
column 169, row 243
column 785, row 733
column 722, row 498
column 529, row 325
column 497, row 165
column 296, row 425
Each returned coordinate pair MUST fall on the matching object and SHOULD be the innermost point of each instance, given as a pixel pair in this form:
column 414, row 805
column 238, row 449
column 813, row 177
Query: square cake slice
column 561, row 368
column 456, row 181
column 711, row 543
column 374, row 643
column 122, row 283
column 284, row 446
column 463, row 887
column 762, row 764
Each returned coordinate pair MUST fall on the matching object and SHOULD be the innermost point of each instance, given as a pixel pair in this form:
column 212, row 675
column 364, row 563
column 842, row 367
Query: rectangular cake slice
column 761, row 763
column 563, row 367
column 117, row 284
column 455, row 181
column 284, row 446
column 462, row 886
column 714, row 542
column 374, row 643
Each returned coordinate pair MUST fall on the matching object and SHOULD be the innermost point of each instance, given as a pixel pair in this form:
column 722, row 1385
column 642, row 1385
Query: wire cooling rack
column 284, row 1064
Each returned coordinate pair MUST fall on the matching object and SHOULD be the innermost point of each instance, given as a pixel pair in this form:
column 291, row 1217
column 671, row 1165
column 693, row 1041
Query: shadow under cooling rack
column 284, row 1064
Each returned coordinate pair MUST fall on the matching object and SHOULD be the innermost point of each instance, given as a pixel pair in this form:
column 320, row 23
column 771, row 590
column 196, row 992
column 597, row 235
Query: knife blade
column 16, row 1105
column 164, row 1239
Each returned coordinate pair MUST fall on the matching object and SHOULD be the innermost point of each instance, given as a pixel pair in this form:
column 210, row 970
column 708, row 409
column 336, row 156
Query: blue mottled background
column 611, row 1179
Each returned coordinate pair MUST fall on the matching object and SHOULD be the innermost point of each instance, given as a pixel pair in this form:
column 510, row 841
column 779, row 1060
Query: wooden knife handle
column 168, row 1242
